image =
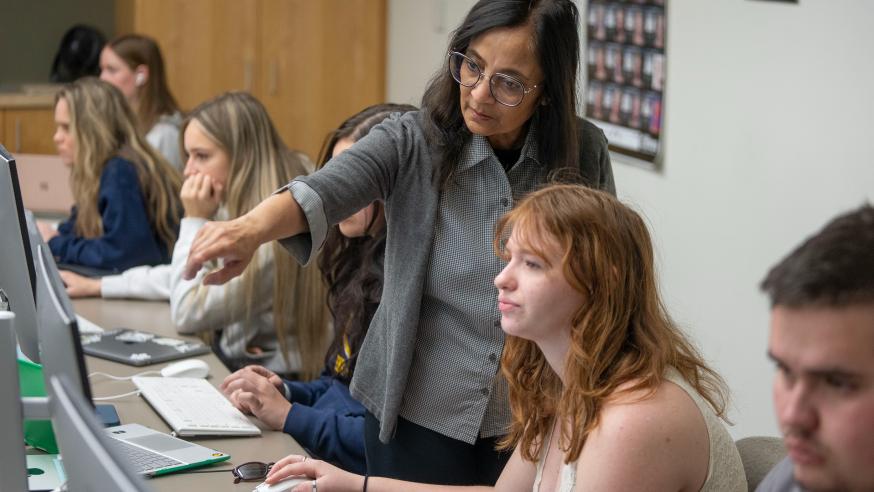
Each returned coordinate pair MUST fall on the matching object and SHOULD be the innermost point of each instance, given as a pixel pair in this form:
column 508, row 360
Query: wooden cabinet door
column 29, row 130
column 209, row 46
column 321, row 61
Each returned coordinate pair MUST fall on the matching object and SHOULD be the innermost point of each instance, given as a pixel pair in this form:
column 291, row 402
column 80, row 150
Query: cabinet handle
column 17, row 135
column 274, row 78
column 247, row 76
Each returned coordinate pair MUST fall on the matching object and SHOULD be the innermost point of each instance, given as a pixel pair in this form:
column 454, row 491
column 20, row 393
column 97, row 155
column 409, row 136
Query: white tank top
column 725, row 470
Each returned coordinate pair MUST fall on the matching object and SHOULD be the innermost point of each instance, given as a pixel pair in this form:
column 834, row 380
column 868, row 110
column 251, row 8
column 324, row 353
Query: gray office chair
column 759, row 454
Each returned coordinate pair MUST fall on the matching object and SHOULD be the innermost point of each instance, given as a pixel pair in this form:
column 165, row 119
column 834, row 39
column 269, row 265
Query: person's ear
column 141, row 76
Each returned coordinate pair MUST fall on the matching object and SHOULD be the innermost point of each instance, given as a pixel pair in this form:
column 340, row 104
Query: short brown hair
column 834, row 267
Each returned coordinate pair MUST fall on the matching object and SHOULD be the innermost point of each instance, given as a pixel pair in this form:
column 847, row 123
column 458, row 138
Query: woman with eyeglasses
column 495, row 123
column 320, row 414
column 607, row 393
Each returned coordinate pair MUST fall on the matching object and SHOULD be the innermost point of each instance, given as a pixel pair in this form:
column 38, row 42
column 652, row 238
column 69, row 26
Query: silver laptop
column 155, row 453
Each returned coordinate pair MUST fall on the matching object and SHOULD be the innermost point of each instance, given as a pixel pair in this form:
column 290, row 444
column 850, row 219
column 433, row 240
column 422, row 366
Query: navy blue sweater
column 327, row 421
column 128, row 239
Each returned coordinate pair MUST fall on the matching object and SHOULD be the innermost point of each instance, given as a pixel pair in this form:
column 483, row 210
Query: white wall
column 769, row 118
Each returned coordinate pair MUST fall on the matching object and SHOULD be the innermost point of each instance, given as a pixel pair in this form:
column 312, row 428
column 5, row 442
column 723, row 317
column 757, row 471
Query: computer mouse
column 282, row 486
column 188, row 368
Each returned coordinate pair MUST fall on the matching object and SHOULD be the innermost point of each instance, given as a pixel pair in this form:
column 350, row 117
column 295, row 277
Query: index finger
column 203, row 249
column 222, row 275
column 281, row 471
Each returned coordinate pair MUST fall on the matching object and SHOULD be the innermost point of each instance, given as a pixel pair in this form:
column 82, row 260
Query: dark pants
column 421, row 455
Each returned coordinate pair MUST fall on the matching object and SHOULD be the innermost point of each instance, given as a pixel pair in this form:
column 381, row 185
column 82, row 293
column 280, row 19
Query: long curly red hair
column 621, row 333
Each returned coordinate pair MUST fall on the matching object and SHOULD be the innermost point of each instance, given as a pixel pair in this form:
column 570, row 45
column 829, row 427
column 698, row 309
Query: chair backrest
column 78, row 54
column 759, row 454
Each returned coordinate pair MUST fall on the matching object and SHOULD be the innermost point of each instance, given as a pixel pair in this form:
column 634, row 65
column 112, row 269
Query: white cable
column 114, row 397
column 121, row 378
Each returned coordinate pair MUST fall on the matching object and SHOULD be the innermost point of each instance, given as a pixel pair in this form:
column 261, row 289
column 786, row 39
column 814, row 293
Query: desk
column 155, row 317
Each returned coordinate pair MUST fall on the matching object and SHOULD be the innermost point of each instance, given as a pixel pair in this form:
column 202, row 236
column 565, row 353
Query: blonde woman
column 134, row 64
column 273, row 315
column 126, row 209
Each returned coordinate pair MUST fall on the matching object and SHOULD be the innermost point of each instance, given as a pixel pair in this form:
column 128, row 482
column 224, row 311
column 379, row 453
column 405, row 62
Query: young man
column 822, row 342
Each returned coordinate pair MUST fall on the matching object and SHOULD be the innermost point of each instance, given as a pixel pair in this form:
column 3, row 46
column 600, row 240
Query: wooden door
column 321, row 61
column 209, row 46
column 29, row 130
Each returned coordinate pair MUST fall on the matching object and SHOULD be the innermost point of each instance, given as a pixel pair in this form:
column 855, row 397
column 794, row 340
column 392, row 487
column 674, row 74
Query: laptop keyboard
column 143, row 460
column 194, row 407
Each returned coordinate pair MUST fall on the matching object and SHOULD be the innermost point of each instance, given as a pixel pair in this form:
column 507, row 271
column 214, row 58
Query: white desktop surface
column 155, row 317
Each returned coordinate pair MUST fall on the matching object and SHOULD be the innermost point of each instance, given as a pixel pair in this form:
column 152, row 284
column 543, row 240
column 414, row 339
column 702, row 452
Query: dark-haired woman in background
column 134, row 64
column 495, row 123
column 320, row 414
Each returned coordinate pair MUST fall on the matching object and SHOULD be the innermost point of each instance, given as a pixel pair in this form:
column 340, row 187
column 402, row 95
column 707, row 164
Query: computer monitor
column 17, row 272
column 89, row 462
column 59, row 341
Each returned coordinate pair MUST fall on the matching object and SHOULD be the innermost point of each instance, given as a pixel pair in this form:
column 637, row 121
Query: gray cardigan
column 394, row 163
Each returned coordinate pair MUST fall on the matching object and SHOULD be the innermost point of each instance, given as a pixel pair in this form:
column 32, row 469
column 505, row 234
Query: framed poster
column 625, row 73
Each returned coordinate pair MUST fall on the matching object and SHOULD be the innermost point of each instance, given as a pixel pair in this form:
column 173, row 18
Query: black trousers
column 421, row 455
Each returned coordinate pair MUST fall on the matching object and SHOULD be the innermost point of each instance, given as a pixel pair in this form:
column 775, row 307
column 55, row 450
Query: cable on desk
column 114, row 397
column 121, row 378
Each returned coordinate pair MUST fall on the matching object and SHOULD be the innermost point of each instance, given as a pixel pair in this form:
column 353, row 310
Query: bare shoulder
column 669, row 406
column 659, row 435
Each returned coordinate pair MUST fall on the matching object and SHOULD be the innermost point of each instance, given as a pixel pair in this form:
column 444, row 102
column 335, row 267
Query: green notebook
column 37, row 433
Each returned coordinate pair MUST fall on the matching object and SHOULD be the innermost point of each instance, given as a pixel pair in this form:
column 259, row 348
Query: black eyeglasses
column 507, row 90
column 251, row 471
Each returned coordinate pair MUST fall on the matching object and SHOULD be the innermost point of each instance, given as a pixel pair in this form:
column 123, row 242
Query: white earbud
column 140, row 79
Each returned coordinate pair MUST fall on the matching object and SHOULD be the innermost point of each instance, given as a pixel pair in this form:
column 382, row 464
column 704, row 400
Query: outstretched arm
column 235, row 241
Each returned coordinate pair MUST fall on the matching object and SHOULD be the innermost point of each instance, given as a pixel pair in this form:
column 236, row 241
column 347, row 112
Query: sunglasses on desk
column 247, row 472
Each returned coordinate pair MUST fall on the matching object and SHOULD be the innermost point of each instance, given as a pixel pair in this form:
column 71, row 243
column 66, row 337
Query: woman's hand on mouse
column 201, row 196
column 80, row 286
column 328, row 477
column 255, row 394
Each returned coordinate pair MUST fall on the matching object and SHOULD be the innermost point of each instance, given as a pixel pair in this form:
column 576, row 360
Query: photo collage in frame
column 625, row 73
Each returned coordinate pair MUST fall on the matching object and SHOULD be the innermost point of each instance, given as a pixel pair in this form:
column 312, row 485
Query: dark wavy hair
column 557, row 45
column 353, row 267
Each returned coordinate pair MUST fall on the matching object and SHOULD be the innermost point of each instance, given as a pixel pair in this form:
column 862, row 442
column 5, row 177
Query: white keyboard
column 194, row 407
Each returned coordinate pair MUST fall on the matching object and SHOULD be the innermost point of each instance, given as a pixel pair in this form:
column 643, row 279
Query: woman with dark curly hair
column 320, row 414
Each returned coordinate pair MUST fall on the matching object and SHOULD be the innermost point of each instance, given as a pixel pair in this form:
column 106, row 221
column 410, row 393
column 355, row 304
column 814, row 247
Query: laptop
column 45, row 183
column 154, row 453
column 45, row 472
column 139, row 348
column 86, row 271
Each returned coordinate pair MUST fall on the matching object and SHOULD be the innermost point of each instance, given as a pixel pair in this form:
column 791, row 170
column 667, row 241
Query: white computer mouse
column 282, row 486
column 188, row 368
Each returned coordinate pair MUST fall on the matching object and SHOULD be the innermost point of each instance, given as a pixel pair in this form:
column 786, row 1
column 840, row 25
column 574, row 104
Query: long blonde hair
column 621, row 332
column 154, row 97
column 103, row 126
column 259, row 164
